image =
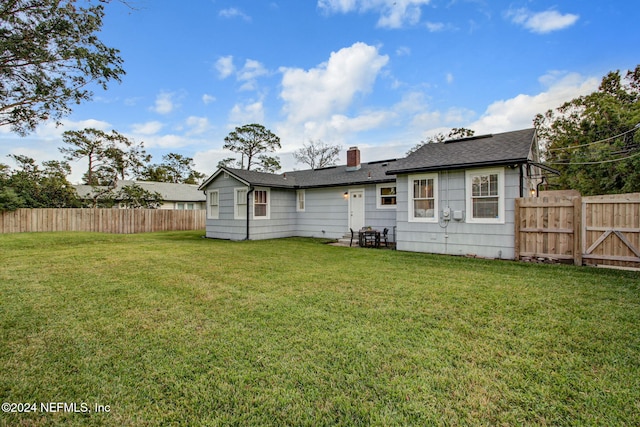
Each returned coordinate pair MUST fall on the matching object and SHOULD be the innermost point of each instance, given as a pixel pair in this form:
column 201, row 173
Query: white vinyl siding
column 423, row 198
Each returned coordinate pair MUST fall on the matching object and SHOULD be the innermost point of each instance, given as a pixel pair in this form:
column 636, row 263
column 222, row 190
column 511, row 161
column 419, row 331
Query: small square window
column 386, row 196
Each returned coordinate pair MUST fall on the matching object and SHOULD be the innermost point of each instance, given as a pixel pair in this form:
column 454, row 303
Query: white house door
column 356, row 209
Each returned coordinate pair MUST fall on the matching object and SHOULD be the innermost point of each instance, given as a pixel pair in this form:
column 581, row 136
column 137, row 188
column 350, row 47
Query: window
column 485, row 196
column 423, row 201
column 185, row 206
column 300, row 195
column 213, row 206
column 386, row 196
column 240, row 203
column 261, row 204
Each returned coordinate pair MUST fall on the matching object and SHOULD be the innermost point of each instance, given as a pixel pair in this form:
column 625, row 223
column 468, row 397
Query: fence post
column 577, row 230
column 517, row 229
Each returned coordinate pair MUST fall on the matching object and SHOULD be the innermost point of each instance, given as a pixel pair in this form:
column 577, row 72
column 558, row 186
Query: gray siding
column 377, row 218
column 225, row 227
column 325, row 213
column 457, row 237
column 282, row 218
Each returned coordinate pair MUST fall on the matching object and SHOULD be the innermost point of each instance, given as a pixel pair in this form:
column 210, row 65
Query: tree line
column 594, row 140
column 110, row 157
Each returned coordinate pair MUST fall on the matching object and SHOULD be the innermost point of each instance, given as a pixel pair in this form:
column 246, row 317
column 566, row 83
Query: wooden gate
column 545, row 227
column 611, row 230
column 595, row 230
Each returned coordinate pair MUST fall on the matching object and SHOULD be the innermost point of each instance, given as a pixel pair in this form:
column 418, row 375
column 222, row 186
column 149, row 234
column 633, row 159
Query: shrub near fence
column 119, row 221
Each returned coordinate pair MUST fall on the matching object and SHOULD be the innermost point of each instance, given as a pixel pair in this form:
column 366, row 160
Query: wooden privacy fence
column 120, row 221
column 594, row 230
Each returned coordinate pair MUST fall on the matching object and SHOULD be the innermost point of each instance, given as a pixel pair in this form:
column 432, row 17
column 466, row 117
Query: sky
column 382, row 75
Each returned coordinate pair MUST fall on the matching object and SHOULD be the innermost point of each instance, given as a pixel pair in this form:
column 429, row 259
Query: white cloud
column 519, row 112
column 164, row 103
column 403, row 51
column 434, row 27
column 131, row 102
column 50, row 131
column 166, row 141
column 249, row 73
column 206, row 161
column 449, row 78
column 148, row 128
column 197, row 125
column 542, row 22
column 338, row 6
column 337, row 127
column 331, row 87
column 393, row 13
column 252, row 112
column 233, row 12
column 225, row 66
column 363, row 122
column 208, row 99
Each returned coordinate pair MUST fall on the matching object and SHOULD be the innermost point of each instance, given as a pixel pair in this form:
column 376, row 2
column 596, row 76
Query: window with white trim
column 240, row 203
column 423, row 198
column 386, row 196
column 185, row 206
column 261, row 204
column 213, row 204
column 300, row 200
column 485, row 196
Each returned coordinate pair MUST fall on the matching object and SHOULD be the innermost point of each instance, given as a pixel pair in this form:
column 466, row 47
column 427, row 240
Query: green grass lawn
column 174, row 329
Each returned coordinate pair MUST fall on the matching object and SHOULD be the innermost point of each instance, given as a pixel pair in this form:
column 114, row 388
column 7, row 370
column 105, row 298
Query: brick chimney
column 353, row 159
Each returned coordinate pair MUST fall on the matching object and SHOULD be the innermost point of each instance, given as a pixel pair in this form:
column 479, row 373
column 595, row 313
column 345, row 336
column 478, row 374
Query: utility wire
column 597, row 142
column 595, row 163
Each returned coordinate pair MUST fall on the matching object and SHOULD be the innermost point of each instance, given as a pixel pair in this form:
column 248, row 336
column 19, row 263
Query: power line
column 633, row 129
column 595, row 163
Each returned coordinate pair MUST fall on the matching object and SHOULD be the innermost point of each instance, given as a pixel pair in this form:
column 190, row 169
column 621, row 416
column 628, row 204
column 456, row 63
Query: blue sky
column 379, row 74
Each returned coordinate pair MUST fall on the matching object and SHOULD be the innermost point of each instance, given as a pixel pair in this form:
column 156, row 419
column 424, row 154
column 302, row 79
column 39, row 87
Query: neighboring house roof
column 169, row 192
column 332, row 176
column 515, row 147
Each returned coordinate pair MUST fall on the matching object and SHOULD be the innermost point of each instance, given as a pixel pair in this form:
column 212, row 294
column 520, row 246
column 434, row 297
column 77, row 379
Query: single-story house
column 174, row 196
column 455, row 197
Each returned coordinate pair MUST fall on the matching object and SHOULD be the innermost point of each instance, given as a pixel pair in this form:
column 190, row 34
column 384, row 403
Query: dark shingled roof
column 486, row 150
column 373, row 172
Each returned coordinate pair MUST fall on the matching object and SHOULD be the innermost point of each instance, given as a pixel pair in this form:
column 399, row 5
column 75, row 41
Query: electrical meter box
column 446, row 214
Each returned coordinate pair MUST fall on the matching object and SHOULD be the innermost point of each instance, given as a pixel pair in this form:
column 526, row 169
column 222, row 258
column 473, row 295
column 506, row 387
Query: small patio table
column 369, row 238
